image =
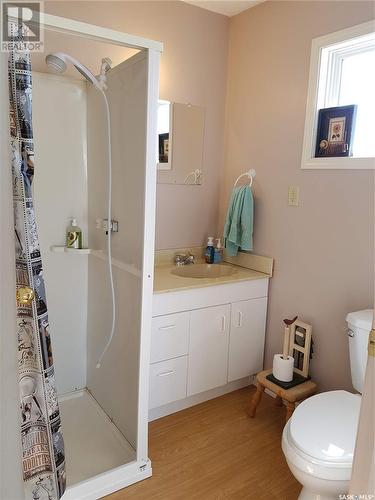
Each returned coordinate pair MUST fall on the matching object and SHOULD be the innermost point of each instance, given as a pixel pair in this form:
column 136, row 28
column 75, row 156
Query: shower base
column 93, row 444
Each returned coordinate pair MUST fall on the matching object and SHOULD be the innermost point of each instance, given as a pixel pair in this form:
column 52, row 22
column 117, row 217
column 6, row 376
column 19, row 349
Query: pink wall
column 193, row 70
column 323, row 249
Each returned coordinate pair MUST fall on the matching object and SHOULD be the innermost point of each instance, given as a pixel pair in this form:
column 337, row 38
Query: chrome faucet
column 182, row 259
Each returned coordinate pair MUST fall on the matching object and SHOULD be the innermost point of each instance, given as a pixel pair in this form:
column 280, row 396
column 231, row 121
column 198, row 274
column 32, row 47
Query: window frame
column 323, row 88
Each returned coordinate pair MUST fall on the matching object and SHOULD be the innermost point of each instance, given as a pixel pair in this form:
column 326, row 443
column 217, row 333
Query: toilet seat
column 319, row 438
column 325, row 426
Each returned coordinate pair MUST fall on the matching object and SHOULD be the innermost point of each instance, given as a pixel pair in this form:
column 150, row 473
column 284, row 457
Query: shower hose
column 109, row 235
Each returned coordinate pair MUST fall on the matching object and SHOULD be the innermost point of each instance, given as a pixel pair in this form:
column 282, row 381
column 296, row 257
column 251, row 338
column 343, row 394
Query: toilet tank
column 359, row 326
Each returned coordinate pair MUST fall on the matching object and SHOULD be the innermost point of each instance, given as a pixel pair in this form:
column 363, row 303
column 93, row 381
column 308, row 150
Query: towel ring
column 194, row 176
column 250, row 173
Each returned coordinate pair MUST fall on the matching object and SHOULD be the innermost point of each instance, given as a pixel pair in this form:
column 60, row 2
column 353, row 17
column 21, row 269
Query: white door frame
column 91, row 31
column 122, row 476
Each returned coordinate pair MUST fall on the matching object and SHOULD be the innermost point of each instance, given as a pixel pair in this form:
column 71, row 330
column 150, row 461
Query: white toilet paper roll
column 283, row 368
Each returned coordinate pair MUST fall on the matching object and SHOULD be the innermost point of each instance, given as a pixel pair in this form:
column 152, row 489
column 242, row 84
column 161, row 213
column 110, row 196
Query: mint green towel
column 238, row 230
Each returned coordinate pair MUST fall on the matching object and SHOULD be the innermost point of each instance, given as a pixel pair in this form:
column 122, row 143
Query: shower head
column 57, row 61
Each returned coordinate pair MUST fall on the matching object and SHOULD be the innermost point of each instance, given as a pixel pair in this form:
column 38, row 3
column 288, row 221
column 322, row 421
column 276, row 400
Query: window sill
column 344, row 163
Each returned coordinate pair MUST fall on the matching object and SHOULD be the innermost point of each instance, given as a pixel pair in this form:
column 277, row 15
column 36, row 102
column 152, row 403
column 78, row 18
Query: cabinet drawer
column 170, row 336
column 168, row 381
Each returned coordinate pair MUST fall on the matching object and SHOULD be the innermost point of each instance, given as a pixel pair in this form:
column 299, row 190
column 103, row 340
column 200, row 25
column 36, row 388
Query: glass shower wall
column 72, row 181
column 115, row 384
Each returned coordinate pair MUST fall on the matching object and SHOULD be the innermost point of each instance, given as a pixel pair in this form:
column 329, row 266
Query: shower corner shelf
column 79, row 251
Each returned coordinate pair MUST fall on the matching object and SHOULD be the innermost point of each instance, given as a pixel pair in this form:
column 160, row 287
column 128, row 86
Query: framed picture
column 165, row 135
column 335, row 131
column 300, row 345
column 164, row 148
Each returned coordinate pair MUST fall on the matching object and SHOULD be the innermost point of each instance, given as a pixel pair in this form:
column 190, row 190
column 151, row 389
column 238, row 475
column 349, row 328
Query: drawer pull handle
column 239, row 319
column 164, row 374
column 223, row 323
column 167, row 327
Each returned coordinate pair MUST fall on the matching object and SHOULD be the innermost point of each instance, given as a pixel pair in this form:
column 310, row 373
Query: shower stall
column 103, row 405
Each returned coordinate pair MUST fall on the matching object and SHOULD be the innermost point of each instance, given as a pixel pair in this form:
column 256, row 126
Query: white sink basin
column 203, row 271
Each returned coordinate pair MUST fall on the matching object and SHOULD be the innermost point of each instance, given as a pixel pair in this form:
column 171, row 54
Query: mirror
column 180, row 143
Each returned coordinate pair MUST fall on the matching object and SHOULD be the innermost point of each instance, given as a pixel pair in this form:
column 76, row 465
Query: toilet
column 319, row 439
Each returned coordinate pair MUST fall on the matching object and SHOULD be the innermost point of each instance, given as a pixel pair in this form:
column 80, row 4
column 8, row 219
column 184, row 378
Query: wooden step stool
column 291, row 396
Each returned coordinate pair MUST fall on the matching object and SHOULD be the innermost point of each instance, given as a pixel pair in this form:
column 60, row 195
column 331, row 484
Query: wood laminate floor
column 215, row 451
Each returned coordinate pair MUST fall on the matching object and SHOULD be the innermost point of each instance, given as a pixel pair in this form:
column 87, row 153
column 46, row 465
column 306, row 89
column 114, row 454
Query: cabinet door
column 246, row 343
column 208, row 348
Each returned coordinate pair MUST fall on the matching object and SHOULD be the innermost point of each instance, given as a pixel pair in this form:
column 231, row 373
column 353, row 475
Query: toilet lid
column 325, row 426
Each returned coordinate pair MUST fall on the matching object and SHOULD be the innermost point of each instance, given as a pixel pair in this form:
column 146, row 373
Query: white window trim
column 316, row 100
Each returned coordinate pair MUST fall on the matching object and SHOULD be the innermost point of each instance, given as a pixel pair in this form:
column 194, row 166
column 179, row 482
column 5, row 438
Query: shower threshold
column 93, row 444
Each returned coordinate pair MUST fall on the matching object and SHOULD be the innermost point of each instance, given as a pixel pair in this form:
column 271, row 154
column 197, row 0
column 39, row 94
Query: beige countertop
column 165, row 281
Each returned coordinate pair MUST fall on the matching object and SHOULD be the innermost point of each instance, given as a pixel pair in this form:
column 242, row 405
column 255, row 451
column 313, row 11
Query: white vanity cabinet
column 205, row 342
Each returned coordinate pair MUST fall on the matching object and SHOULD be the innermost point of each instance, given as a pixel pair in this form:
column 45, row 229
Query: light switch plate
column 293, row 196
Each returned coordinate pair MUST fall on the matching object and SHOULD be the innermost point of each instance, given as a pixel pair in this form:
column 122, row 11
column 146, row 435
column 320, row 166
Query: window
column 342, row 72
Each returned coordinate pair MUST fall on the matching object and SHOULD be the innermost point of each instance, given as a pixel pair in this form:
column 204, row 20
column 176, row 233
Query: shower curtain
column 42, row 441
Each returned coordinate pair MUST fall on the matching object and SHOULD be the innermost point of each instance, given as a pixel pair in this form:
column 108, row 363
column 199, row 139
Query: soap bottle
column 209, row 254
column 218, row 252
column 74, row 235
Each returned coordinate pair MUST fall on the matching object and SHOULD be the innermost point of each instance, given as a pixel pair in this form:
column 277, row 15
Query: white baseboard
column 181, row 404
column 267, row 391
column 108, row 482
column 270, row 393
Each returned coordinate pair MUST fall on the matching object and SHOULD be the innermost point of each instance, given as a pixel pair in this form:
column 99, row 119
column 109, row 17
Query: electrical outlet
column 293, row 196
